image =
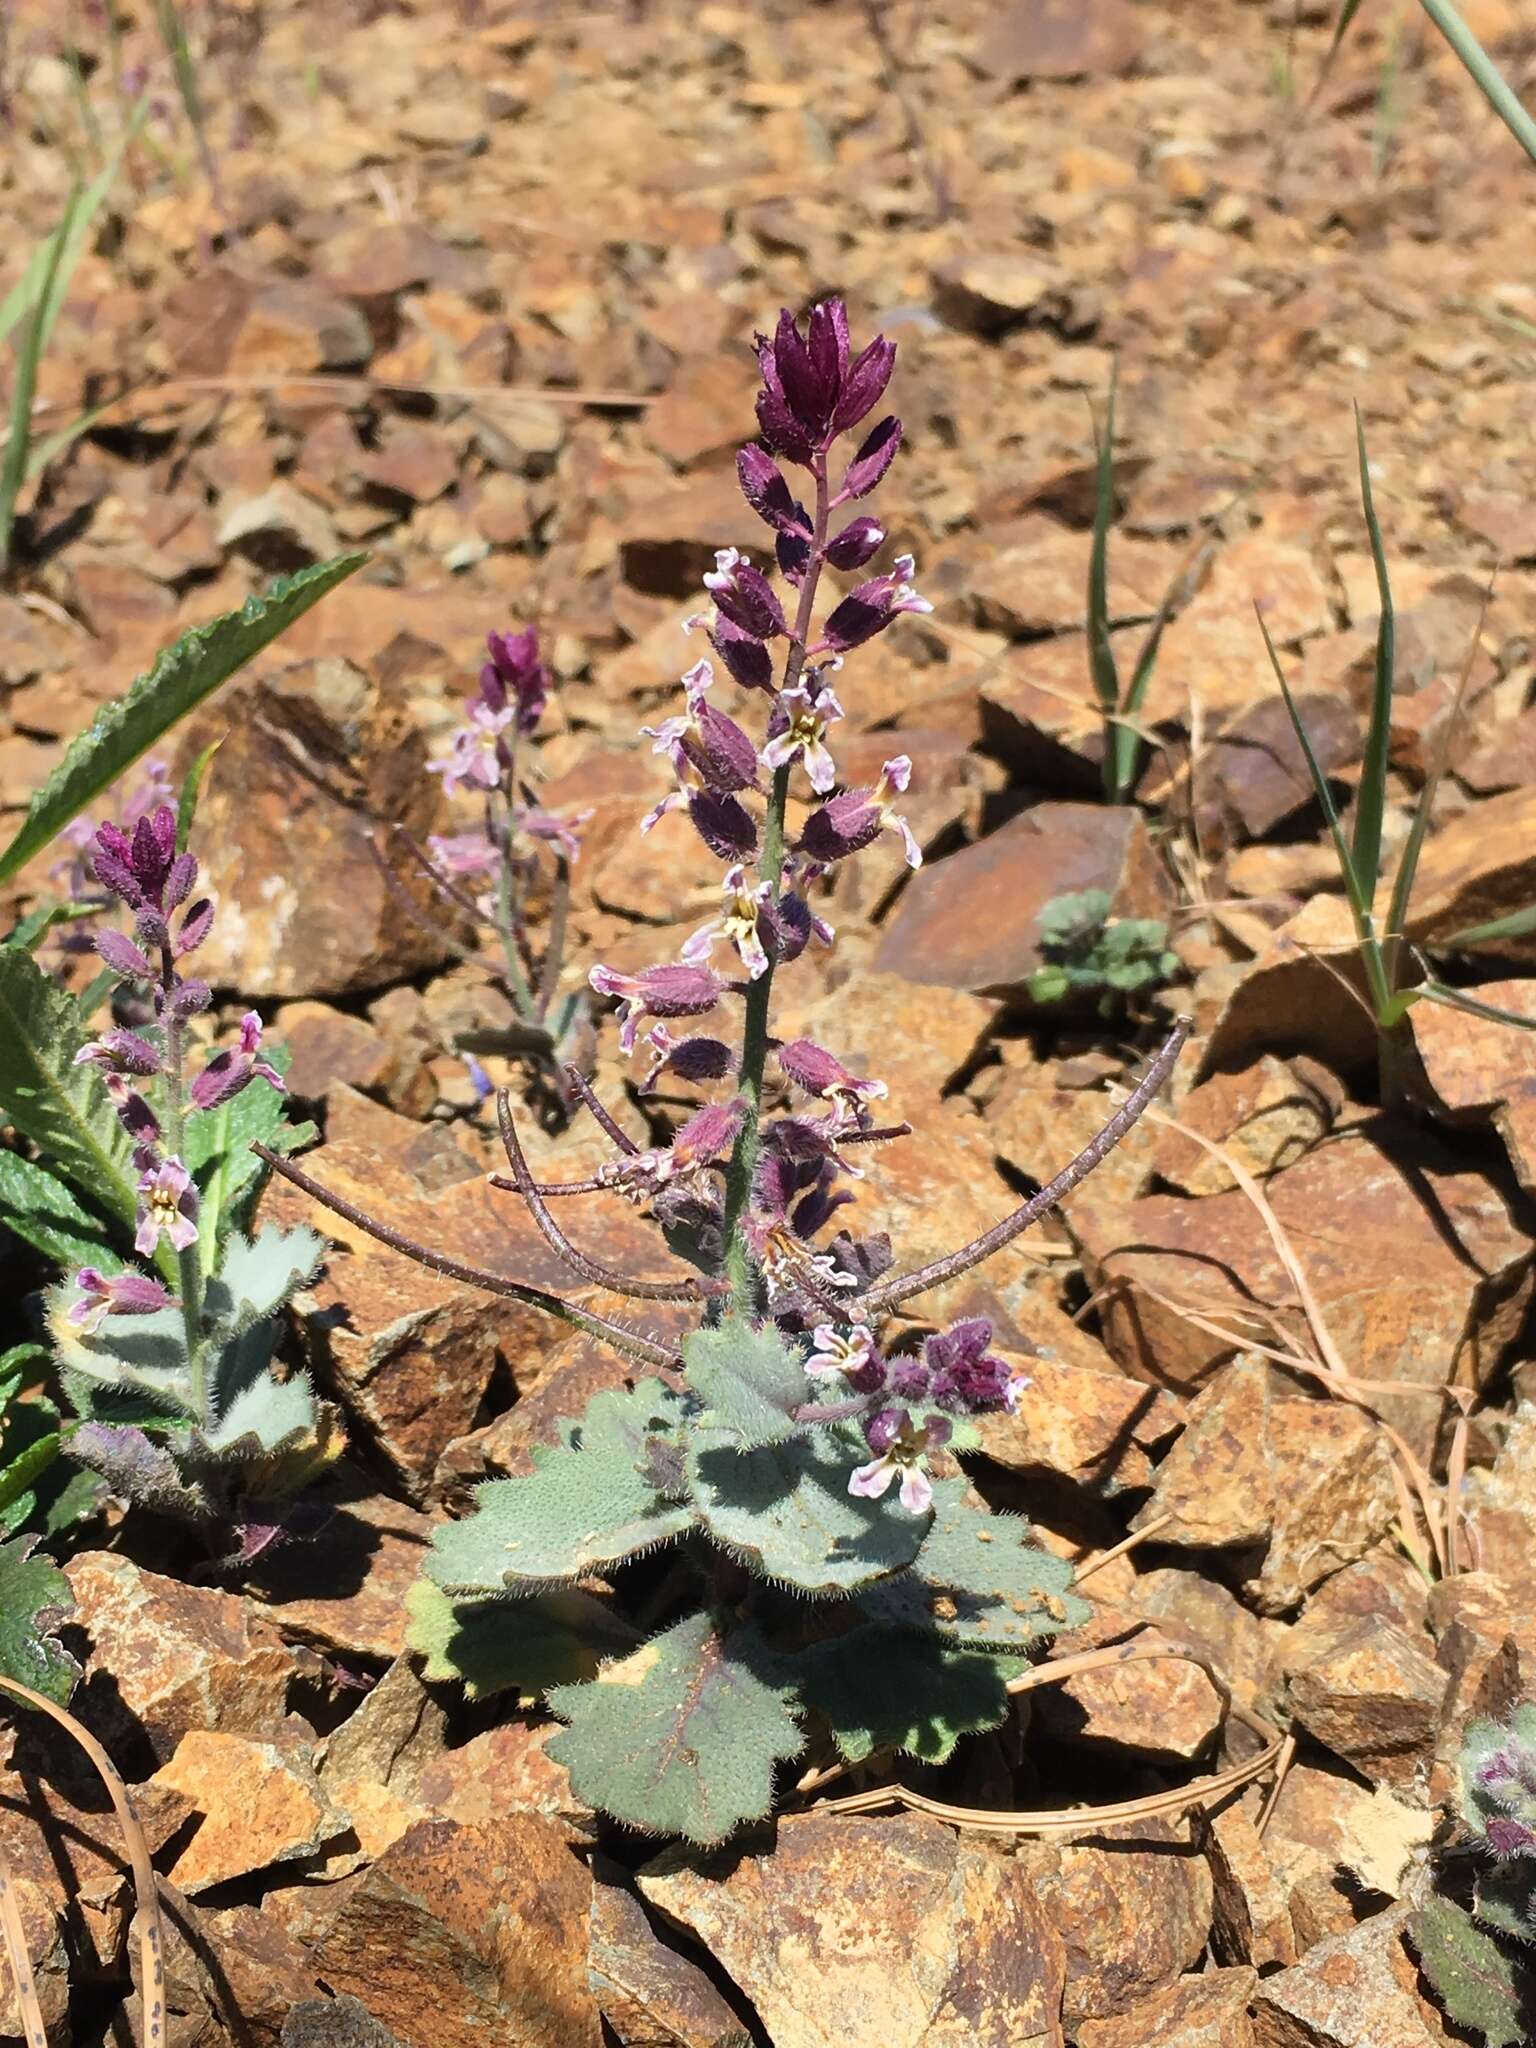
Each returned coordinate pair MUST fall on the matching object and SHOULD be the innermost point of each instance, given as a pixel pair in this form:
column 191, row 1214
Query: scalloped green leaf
column 786, row 1512
column 681, row 1736
column 1479, row 1985
column 34, row 1597
column 181, row 678
column 587, row 1504
column 749, row 1381
column 522, row 1646
column 980, row 1579
column 889, row 1689
column 256, row 1276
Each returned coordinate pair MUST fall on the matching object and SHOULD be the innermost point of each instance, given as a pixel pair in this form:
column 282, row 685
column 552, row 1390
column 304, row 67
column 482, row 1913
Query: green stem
column 1484, row 73
column 507, row 908
column 740, row 1266
column 189, row 1262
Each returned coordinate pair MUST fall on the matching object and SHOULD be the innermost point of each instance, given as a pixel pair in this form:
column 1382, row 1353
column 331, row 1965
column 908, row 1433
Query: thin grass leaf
column 43, row 452
column 1358, row 903
column 191, row 790
column 1458, row 999
column 1514, row 924
column 1484, row 73
column 183, row 676
column 1370, row 807
column 24, row 294
column 29, row 351
column 1101, row 655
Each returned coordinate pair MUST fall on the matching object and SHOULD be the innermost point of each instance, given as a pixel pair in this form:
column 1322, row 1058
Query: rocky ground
column 472, row 287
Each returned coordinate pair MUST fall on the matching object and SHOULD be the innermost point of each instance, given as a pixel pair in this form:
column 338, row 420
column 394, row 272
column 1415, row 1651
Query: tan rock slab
column 260, row 1806
column 1354, row 1990
column 1373, row 1695
column 1208, row 2011
column 1484, row 1071
column 1476, row 868
column 868, row 1933
column 1251, row 1913
column 650, row 1995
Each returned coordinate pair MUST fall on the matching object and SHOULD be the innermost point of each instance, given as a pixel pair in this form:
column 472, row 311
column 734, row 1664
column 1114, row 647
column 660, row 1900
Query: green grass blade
column 1514, row 924
column 25, row 293
column 29, row 352
column 1357, row 902
column 1101, row 655
column 1372, row 802
column 191, row 790
column 183, row 676
column 1458, row 999
column 1484, row 73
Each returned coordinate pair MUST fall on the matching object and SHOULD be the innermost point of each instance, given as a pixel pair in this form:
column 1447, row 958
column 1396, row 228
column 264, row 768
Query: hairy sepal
column 749, row 1381
column 785, row 1511
column 681, row 1736
column 588, row 1503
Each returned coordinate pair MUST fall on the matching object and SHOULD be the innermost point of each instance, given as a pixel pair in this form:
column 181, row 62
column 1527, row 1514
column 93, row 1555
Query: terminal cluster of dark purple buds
column 750, row 1187
column 147, row 1067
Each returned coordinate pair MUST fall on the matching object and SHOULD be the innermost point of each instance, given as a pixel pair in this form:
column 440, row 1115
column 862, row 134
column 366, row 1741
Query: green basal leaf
column 682, row 1736
column 1504, row 1901
column 1371, row 803
column 1101, row 653
column 586, row 1505
column 62, row 1108
column 254, row 1279
column 1478, row 1983
column 1513, row 925
column 887, row 1689
column 786, row 1511
column 45, row 1214
column 34, row 1597
column 749, row 1381
column 521, row 1646
column 183, row 676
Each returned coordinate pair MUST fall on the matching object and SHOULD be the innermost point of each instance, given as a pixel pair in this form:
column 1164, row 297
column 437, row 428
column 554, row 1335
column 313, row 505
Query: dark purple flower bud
column 133, row 1112
column 717, row 746
column 744, row 595
column 235, row 1068
column 967, row 1378
column 884, row 1427
column 195, row 927
column 747, row 659
column 863, row 384
column 869, row 1376
column 790, row 925
column 515, row 673
column 764, row 488
column 777, row 424
column 1508, row 1837
column 859, row 540
column 709, row 1132
column 908, row 1379
column 154, row 851
column 937, row 1432
column 808, row 381
column 190, row 997
column 150, row 928
column 123, row 956
column 873, row 459
column 676, row 990
column 726, row 826
column 129, row 1293
column 792, row 552
column 114, row 870
column 811, row 1067
column 179, row 881
column 870, row 608
column 696, row 1058
column 120, row 1052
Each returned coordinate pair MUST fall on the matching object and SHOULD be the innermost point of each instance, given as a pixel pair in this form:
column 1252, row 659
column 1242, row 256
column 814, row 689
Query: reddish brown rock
column 373, row 1549
column 1191, row 1607
column 855, row 1933
column 1037, row 579
column 174, row 1659
column 1255, row 776
column 1061, row 39
column 1373, row 1696
column 260, row 1806
column 1132, row 1922
column 44, row 1932
column 1483, row 1071
column 649, row 1994
column 1305, row 992
column 460, row 1935
column 1164, row 1709
column 1251, row 1913
column 1476, row 868
column 1268, row 1115
column 1355, row 1990
column 331, row 1048
column 1083, row 1422
column 1340, row 1850
column 972, row 921
column 1208, row 2011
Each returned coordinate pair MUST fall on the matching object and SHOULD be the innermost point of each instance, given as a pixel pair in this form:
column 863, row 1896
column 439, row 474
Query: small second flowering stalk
column 486, row 875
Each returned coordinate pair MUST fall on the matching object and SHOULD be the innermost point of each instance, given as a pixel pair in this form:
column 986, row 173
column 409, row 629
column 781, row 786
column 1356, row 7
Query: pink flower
column 167, row 1207
column 847, row 823
column 900, row 1450
column 478, row 755
column 737, row 924
column 797, row 730
column 870, row 608
column 835, row 1356
column 129, row 1293
column 684, row 990
column 234, row 1068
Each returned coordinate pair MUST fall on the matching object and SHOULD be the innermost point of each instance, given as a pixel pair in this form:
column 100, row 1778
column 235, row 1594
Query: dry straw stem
column 1329, row 1368
column 147, row 1915
column 15, row 1938
column 1066, row 1821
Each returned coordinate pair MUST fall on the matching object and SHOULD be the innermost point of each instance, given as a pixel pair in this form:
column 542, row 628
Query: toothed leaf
column 749, row 1381
column 886, row 1689
column 1479, row 1985
column 1505, row 1901
column 589, row 1503
column 786, row 1511
column 255, row 1278
column 680, row 1737
column 525, row 1646
column 34, row 1597
column 979, row 1579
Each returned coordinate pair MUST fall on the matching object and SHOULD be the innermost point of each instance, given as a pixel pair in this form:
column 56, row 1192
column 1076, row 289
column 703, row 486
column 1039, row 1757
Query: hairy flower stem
column 741, row 1267
column 508, row 909
column 189, row 1262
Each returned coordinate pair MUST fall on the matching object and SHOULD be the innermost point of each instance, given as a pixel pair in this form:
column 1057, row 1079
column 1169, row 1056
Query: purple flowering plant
column 486, row 874
column 166, row 1356
column 825, row 1571
column 1471, row 1952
